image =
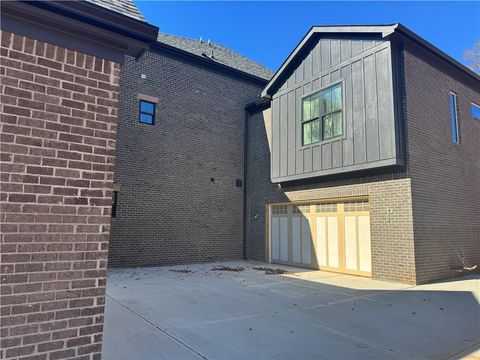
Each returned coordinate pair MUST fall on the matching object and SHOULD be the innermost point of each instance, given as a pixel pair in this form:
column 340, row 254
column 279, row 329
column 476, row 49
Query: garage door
column 331, row 236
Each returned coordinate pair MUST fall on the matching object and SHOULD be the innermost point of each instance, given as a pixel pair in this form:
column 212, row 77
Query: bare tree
column 473, row 57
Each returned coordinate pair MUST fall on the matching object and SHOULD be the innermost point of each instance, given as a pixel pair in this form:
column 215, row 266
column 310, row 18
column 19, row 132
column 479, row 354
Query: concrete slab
column 164, row 313
column 131, row 337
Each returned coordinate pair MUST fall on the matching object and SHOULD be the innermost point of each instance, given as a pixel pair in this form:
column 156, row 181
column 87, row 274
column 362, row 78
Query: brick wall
column 445, row 176
column 389, row 195
column 177, row 199
column 58, row 125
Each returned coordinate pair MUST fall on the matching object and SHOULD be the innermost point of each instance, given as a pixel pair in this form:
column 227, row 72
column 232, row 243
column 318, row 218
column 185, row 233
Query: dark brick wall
column 58, row 125
column 445, row 176
column 169, row 210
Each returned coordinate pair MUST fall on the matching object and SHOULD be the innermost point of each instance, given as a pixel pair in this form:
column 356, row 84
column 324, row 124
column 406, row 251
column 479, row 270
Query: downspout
column 245, row 155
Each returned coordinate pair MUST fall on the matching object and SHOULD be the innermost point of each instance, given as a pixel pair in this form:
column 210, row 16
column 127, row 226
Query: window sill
column 315, row 144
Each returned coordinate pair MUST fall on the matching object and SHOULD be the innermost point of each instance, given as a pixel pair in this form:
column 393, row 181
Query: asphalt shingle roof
column 124, row 7
column 218, row 53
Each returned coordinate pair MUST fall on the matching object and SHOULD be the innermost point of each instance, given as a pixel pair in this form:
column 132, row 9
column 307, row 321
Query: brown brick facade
column 59, row 118
column 178, row 201
column 445, row 176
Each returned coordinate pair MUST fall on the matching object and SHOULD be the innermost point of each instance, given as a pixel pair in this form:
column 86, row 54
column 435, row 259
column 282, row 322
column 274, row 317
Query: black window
column 147, row 112
column 322, row 115
column 454, row 118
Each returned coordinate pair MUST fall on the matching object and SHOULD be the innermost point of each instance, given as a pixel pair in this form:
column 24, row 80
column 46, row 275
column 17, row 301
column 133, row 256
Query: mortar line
column 171, row 336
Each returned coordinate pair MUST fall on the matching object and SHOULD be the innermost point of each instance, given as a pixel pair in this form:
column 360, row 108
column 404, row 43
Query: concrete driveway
column 171, row 313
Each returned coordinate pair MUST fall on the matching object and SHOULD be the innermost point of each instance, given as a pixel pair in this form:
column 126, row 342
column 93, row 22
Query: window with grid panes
column 322, row 115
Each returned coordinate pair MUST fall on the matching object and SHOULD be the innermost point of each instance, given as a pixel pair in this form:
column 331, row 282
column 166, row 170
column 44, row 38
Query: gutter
column 254, row 107
column 245, row 174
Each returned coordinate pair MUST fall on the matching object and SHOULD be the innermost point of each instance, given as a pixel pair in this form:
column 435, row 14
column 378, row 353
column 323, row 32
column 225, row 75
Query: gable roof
column 216, row 54
column 124, row 7
column 383, row 30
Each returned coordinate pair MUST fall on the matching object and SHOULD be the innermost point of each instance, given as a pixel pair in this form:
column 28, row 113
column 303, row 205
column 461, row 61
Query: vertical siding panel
column 307, row 159
column 371, row 119
column 325, row 51
column 345, row 50
column 326, row 156
column 275, row 166
column 325, row 80
column 307, row 68
column 283, row 135
column 291, row 80
column 317, row 158
column 315, row 84
column 337, row 153
column 316, row 59
column 307, row 152
column 320, row 55
column 358, row 113
column 334, row 52
column 291, row 133
column 385, row 103
column 367, row 44
column 356, row 47
column 335, row 76
column 299, row 72
column 298, row 135
column 347, row 116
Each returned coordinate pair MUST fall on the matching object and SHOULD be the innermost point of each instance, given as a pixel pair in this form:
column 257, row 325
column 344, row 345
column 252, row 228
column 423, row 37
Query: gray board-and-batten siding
column 370, row 136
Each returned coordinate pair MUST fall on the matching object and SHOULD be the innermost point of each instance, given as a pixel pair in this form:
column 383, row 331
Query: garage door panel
column 364, row 243
column 284, row 239
column 333, row 260
column 296, row 240
column 322, row 240
column 306, row 242
column 333, row 236
column 350, row 243
column 275, row 238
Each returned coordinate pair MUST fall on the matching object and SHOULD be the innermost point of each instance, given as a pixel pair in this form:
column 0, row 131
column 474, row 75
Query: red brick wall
column 58, row 130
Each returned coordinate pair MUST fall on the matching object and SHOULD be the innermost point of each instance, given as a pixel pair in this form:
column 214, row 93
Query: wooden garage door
column 331, row 236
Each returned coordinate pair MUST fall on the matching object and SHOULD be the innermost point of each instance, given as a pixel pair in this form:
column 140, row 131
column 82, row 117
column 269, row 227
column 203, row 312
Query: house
column 359, row 155
column 368, row 159
column 180, row 153
column 60, row 68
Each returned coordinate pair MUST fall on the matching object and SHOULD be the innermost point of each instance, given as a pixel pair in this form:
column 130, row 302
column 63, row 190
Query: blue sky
column 268, row 31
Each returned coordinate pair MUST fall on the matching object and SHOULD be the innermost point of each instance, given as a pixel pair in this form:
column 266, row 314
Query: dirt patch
column 228, row 268
column 183, row 271
column 270, row 271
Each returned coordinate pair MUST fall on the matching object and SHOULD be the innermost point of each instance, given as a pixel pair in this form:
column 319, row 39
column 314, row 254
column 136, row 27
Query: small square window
column 147, row 112
column 476, row 111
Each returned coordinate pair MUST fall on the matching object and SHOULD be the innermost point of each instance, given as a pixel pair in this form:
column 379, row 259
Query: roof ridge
column 220, row 54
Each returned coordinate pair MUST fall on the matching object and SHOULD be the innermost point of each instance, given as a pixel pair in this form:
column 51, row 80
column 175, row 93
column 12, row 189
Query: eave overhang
column 79, row 19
